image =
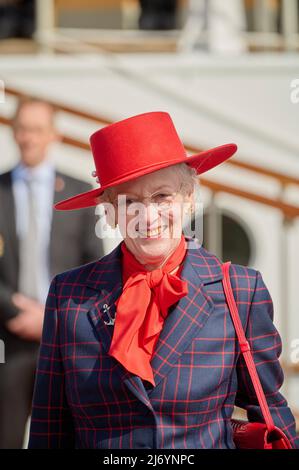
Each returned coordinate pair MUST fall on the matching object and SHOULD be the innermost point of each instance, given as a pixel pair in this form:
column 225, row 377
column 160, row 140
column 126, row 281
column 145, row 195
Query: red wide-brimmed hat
column 136, row 146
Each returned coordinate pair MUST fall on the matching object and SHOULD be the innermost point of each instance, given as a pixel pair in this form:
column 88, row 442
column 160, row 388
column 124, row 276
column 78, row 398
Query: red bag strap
column 245, row 347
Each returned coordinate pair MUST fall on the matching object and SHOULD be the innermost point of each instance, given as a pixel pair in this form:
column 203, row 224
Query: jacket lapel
column 185, row 318
column 182, row 324
column 106, row 278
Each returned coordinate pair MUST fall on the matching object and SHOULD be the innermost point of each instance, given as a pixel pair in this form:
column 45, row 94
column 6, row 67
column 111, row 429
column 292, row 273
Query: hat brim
column 202, row 162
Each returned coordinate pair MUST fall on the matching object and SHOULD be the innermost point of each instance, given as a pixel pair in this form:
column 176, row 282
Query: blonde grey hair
column 187, row 176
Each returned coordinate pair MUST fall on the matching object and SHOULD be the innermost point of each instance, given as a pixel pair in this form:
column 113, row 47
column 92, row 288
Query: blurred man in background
column 35, row 244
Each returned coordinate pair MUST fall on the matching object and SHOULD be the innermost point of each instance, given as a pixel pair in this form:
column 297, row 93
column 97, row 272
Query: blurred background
column 225, row 71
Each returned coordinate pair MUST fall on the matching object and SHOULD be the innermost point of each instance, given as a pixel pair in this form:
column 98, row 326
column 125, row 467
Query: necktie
column 142, row 309
column 28, row 248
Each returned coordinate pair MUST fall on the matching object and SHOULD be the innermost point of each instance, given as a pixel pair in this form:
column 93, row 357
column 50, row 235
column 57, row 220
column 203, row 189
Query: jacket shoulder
column 80, row 274
column 243, row 278
column 247, row 273
column 74, row 184
column 240, row 275
column 5, row 178
column 244, row 282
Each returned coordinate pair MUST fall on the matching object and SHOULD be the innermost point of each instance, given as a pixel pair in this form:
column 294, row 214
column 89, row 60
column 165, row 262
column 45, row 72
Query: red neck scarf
column 143, row 307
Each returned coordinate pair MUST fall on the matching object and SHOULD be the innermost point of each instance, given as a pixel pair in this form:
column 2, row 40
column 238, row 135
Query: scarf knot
column 154, row 277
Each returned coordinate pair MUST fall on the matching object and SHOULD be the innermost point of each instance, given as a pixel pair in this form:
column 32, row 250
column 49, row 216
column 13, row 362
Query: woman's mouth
column 155, row 233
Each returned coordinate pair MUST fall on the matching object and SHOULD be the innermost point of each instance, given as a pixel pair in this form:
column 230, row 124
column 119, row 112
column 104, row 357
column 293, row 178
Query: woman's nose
column 151, row 215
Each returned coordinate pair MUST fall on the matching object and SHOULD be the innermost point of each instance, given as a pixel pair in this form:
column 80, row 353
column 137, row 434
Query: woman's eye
column 129, row 201
column 161, row 196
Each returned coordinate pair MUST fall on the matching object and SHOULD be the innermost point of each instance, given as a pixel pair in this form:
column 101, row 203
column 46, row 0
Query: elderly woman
column 138, row 348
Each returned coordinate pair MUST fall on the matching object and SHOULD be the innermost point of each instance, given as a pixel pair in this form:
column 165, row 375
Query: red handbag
column 251, row 435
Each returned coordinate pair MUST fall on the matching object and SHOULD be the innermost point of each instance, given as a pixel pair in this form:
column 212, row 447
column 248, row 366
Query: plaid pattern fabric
column 83, row 398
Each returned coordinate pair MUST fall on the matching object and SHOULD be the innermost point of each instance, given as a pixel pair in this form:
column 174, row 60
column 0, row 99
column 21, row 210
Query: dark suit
column 84, row 398
column 72, row 242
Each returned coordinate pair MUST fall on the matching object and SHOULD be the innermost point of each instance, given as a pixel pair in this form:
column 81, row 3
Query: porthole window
column 235, row 241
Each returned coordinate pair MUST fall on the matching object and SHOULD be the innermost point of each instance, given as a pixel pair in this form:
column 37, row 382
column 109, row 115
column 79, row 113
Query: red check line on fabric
column 245, row 348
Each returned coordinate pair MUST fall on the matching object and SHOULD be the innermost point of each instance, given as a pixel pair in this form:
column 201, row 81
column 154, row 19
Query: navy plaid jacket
column 84, row 398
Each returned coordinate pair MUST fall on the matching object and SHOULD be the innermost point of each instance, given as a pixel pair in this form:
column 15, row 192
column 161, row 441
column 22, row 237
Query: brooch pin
column 111, row 321
column 95, row 175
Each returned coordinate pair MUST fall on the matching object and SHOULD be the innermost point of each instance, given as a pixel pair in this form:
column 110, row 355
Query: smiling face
column 152, row 229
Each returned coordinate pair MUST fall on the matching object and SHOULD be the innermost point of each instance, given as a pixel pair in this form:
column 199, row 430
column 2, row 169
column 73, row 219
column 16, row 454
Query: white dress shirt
column 43, row 190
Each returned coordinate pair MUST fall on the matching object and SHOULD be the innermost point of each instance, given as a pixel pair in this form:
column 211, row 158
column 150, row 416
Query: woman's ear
column 106, row 199
column 190, row 202
column 187, row 210
column 111, row 215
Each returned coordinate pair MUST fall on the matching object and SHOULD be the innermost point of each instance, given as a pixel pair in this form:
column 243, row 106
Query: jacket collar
column 107, row 270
